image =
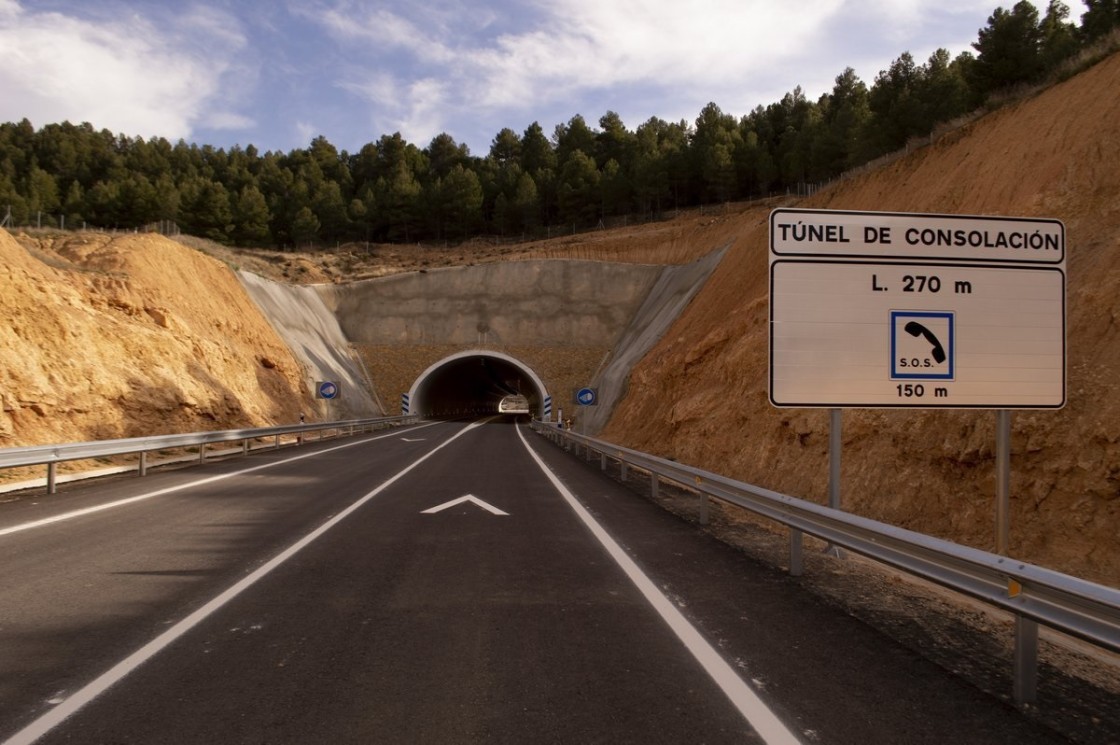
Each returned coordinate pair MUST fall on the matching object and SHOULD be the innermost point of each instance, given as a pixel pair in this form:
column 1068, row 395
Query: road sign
column 587, row 396
column 327, row 389
column 871, row 309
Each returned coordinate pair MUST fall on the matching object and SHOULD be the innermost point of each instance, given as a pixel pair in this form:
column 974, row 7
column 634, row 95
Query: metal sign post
column 835, row 446
column 586, row 397
column 1003, row 481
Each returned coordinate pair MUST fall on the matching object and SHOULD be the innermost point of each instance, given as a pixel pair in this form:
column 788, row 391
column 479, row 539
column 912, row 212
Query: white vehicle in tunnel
column 516, row 404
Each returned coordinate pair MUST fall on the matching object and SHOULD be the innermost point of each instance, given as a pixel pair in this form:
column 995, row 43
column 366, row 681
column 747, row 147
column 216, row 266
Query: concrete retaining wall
column 666, row 300
column 535, row 303
column 311, row 331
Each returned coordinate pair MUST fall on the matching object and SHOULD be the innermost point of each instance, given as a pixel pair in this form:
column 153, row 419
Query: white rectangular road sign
column 846, row 331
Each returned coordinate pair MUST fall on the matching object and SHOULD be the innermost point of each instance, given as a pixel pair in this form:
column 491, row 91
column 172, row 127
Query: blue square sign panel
column 923, row 345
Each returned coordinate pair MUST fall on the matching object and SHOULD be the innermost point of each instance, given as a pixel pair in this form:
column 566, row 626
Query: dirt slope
column 107, row 337
column 701, row 396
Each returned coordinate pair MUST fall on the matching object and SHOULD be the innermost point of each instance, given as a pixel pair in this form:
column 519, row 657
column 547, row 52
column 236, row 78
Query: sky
column 278, row 73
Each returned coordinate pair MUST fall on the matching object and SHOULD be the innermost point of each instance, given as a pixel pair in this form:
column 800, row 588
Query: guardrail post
column 796, row 563
column 621, row 468
column 202, row 453
column 244, row 447
column 52, row 473
column 143, row 470
column 276, row 444
column 603, row 460
column 1026, row 659
column 654, row 482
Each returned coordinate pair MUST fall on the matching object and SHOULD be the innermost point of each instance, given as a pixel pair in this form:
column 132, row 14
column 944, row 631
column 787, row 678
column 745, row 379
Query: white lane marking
column 192, row 484
column 757, row 714
column 118, row 672
column 469, row 498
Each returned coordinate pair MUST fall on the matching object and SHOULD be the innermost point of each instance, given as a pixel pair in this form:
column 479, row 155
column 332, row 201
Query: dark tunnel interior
column 471, row 386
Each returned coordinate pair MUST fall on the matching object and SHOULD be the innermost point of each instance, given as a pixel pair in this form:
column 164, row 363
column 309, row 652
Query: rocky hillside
column 701, row 395
column 106, row 337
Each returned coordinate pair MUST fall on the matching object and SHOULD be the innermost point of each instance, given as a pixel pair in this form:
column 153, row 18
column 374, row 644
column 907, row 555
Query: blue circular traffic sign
column 328, row 390
column 586, row 396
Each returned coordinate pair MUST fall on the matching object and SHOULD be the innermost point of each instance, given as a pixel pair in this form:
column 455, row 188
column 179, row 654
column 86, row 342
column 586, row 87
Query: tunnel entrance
column 477, row 382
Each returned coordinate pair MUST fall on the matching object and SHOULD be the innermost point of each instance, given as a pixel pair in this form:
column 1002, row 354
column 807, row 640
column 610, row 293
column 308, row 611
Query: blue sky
column 276, row 74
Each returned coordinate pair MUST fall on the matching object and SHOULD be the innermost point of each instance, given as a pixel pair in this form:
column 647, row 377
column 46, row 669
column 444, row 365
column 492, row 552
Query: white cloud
column 378, row 25
column 227, row 120
column 738, row 53
column 425, row 115
column 130, row 76
column 647, row 42
column 417, row 110
column 376, row 87
column 644, row 39
column 570, row 48
column 306, row 131
column 468, row 67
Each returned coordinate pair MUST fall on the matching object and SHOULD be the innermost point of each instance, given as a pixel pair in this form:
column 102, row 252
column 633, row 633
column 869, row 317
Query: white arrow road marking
column 469, row 498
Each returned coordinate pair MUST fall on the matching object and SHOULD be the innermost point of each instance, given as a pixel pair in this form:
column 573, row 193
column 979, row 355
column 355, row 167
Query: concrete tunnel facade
column 474, row 382
column 464, row 337
column 541, row 324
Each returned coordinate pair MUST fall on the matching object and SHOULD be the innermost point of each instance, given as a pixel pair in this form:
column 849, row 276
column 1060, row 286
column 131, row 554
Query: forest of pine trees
column 73, row 176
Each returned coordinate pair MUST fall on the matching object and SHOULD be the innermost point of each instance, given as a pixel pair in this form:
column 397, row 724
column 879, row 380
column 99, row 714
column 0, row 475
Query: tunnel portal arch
column 474, row 382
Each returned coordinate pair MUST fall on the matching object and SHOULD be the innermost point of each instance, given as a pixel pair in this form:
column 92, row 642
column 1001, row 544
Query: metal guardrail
column 52, row 455
column 1033, row 595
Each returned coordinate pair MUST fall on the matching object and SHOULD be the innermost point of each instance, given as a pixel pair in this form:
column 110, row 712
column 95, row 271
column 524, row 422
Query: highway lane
column 77, row 595
column 401, row 625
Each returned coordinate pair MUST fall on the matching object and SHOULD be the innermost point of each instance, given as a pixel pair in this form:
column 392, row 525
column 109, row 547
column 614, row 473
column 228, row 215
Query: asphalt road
column 316, row 595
